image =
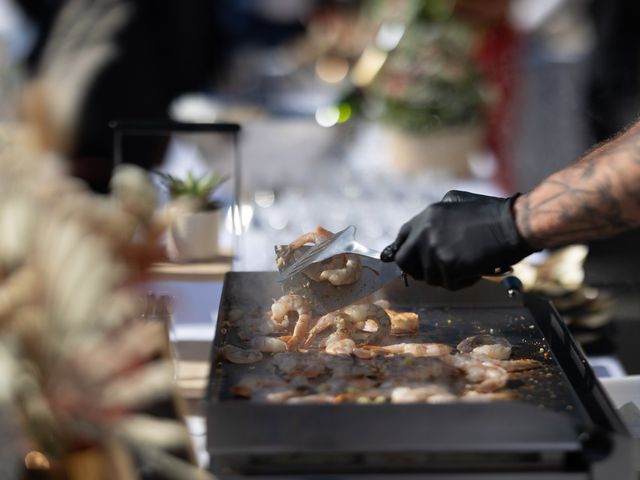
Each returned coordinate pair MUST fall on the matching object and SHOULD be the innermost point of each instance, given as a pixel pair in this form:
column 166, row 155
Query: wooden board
column 212, row 270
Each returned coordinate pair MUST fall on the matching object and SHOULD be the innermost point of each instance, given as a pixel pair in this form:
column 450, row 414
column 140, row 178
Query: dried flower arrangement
column 79, row 367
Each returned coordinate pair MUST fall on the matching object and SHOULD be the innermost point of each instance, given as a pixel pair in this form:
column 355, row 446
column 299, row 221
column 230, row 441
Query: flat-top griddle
column 561, row 423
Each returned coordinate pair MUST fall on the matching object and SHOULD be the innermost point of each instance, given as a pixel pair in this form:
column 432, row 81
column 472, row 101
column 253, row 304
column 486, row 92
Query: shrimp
column 284, row 394
column 383, row 303
column 316, row 237
column 338, row 319
column 422, row 393
column 241, row 355
column 476, row 397
column 489, row 377
column 519, row 365
column 338, row 366
column 363, row 353
column 251, row 384
column 268, row 344
column 361, row 313
column 313, row 398
column 315, row 270
column 285, row 254
column 293, row 364
column 293, row 303
column 398, row 371
column 347, row 274
column 344, row 330
column 484, row 376
column 348, row 367
column 489, row 346
column 442, row 398
column 261, row 326
column 346, row 346
column 339, row 385
column 415, row 349
column 338, row 270
column 403, row 323
column 339, row 342
column 369, row 396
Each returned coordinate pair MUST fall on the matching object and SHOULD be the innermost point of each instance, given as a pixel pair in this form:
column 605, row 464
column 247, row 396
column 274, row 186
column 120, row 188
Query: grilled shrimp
column 313, row 398
column 338, row 319
column 281, row 395
column 415, row 349
column 398, row 370
column 340, row 342
column 315, row 271
column 293, row 303
column 490, row 346
column 344, row 329
column 260, row 325
column 251, row 384
column 484, row 376
column 241, row 355
column 306, row 238
column 518, row 365
column 423, row 393
column 403, row 323
column 293, row 364
column 338, row 270
column 340, row 385
column 314, row 238
column 347, row 346
column 346, row 274
column 268, row 344
column 475, row 397
column 361, row 313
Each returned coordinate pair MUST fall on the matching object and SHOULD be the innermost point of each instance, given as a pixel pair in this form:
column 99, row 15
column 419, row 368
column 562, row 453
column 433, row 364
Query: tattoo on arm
column 596, row 197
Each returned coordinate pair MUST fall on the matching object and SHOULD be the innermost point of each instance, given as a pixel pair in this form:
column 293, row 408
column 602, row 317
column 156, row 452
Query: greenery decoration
column 198, row 188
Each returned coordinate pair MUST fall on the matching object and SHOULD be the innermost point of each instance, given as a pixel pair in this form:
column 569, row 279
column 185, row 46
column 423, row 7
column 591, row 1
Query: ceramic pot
column 446, row 150
column 194, row 236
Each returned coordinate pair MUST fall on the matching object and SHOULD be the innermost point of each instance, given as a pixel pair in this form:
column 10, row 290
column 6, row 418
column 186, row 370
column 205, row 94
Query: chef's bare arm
column 596, row 197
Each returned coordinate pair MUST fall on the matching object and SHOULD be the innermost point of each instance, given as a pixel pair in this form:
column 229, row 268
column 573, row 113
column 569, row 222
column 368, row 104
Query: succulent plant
column 196, row 188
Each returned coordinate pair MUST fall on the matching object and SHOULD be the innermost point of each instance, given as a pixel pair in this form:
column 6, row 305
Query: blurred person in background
column 594, row 201
column 454, row 242
column 103, row 60
column 497, row 54
column 613, row 101
column 94, row 61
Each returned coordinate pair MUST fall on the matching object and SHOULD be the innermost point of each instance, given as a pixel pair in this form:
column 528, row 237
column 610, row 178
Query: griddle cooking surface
column 545, row 387
column 550, row 429
column 490, row 312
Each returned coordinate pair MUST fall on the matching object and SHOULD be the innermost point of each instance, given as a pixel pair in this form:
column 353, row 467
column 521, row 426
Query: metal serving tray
column 563, row 424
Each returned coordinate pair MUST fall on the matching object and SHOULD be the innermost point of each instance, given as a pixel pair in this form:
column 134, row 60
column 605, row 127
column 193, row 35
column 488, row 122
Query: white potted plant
column 193, row 235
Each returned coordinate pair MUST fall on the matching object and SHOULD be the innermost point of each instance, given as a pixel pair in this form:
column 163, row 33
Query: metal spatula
column 342, row 242
column 323, row 296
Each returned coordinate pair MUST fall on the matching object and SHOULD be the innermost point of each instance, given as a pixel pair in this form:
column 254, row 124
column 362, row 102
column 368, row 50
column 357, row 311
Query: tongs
column 323, row 296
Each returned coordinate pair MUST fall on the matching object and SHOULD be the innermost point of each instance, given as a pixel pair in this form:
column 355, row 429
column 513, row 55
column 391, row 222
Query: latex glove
column 454, row 242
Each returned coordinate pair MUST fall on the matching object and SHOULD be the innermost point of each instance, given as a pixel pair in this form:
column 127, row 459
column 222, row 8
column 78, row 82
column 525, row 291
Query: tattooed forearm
column 596, row 197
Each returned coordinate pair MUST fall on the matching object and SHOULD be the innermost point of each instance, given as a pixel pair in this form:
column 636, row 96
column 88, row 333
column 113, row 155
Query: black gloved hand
column 454, row 242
